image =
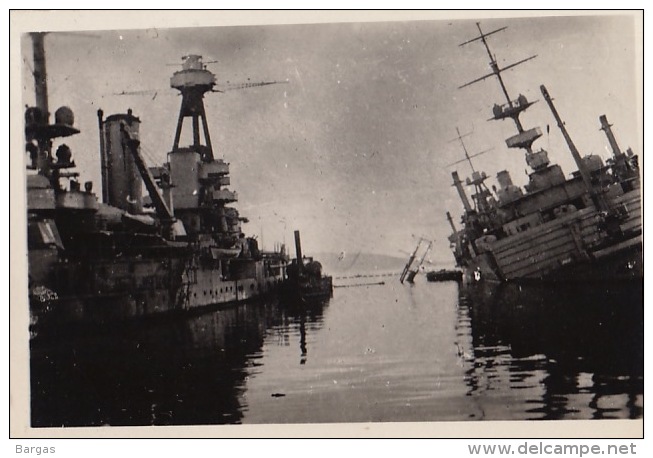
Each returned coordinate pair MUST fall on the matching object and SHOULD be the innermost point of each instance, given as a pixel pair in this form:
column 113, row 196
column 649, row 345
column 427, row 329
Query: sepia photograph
column 336, row 219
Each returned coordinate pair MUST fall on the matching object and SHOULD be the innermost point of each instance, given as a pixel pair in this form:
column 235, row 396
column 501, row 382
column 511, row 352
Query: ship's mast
column 496, row 71
column 423, row 258
column 402, row 277
column 40, row 76
column 38, row 128
column 513, row 107
column 477, row 179
column 468, row 158
column 41, row 99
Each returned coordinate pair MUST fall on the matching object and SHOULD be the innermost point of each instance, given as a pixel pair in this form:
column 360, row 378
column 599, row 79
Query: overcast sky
column 353, row 150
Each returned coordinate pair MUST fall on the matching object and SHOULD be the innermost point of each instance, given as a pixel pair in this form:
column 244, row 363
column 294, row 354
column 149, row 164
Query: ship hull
column 308, row 289
column 587, row 227
column 624, row 264
column 571, row 248
column 480, row 269
column 88, row 295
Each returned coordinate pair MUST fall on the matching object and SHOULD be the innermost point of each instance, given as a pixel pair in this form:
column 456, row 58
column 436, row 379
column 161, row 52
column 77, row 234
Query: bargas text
column 34, row 450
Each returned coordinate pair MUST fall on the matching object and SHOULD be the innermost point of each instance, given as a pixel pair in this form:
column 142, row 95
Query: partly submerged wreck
column 93, row 261
column 587, row 227
column 306, row 280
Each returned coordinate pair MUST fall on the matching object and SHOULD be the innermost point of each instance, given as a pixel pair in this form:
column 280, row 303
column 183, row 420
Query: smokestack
column 124, row 183
column 104, row 167
column 461, row 191
column 298, row 250
column 504, row 179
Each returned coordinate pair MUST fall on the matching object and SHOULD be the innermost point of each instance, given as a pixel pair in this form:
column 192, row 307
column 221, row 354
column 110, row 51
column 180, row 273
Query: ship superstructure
column 128, row 256
column 587, row 226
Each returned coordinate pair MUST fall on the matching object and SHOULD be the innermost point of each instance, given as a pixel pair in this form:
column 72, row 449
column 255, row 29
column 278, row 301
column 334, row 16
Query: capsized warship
column 586, row 227
column 412, row 268
column 180, row 248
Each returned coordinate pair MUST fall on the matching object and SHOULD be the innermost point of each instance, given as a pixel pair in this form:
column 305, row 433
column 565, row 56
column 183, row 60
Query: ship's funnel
column 504, row 179
column 461, row 192
column 298, row 250
column 119, row 172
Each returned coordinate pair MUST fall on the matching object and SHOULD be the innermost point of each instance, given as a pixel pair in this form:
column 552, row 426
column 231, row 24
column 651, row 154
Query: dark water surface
column 391, row 352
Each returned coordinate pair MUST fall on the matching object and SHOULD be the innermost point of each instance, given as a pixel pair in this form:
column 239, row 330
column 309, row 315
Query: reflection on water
column 177, row 370
column 391, row 352
column 575, row 352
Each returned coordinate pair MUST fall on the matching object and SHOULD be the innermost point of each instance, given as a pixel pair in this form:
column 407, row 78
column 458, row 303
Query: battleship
column 124, row 256
column 586, row 227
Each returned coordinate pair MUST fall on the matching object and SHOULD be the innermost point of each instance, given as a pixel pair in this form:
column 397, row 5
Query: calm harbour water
column 391, row 352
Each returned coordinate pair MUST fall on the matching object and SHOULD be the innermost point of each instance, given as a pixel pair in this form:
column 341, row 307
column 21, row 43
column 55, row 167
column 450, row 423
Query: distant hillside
column 369, row 263
column 359, row 262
